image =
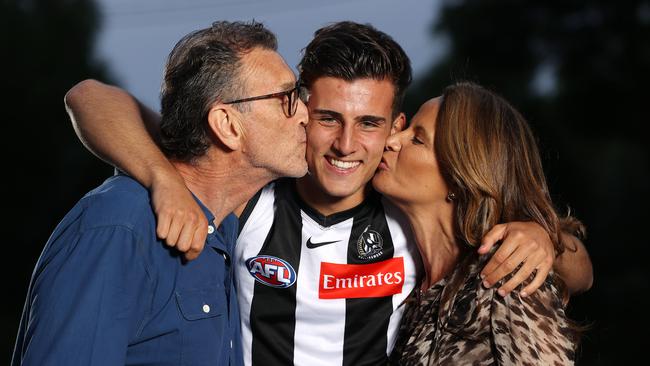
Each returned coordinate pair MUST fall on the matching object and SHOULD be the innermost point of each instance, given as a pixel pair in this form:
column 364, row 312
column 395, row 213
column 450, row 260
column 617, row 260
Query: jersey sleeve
column 82, row 301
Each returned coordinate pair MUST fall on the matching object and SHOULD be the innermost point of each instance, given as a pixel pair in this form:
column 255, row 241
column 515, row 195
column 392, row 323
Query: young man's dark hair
column 202, row 68
column 351, row 51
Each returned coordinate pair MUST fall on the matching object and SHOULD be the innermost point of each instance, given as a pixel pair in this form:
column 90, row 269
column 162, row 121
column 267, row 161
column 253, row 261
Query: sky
column 136, row 36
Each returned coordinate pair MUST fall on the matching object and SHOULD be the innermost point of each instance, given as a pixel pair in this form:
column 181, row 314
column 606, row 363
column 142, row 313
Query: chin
column 340, row 190
column 389, row 191
column 339, row 193
column 302, row 172
column 384, row 189
column 298, row 171
column 379, row 183
column 292, row 168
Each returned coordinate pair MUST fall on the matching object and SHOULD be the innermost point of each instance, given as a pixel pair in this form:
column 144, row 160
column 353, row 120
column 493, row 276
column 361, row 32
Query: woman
column 468, row 161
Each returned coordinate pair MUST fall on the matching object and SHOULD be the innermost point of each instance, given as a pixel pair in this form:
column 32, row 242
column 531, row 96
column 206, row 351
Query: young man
column 106, row 291
column 322, row 262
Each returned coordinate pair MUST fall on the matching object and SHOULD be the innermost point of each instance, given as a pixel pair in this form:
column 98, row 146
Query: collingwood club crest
column 370, row 245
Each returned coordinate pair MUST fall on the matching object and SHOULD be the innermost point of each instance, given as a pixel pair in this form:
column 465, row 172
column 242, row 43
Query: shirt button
column 210, row 229
column 206, row 308
column 231, row 343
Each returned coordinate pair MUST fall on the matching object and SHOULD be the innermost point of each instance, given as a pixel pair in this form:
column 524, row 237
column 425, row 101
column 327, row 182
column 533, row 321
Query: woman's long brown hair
column 489, row 158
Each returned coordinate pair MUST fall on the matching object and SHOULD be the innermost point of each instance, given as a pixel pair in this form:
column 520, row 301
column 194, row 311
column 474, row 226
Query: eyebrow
column 337, row 115
column 371, row 118
column 288, row 85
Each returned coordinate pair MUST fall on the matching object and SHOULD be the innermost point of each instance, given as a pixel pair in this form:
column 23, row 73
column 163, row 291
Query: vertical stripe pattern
column 365, row 332
column 333, row 314
column 274, row 322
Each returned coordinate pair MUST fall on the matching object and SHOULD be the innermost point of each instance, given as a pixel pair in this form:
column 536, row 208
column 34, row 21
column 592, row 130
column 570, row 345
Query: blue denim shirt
column 106, row 291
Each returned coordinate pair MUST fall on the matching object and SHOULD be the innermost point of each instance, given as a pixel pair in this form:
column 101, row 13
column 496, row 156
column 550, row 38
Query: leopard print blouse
column 476, row 326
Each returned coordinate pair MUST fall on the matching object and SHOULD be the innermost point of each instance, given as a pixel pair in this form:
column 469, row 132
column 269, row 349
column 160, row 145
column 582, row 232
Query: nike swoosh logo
column 312, row 245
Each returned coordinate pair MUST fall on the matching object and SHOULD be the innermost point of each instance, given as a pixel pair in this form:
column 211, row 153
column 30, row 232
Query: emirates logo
column 349, row 281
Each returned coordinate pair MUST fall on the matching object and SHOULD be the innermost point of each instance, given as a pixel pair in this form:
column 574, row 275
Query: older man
column 106, row 290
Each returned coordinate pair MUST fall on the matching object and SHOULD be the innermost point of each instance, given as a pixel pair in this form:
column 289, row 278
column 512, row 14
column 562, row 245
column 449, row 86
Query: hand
column 181, row 222
column 522, row 242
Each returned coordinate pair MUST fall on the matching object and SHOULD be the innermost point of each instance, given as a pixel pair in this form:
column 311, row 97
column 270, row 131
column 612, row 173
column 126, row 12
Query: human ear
column 226, row 125
column 398, row 124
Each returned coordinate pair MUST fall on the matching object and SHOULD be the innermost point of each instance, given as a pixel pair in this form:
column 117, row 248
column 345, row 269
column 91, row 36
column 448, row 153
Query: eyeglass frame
column 288, row 93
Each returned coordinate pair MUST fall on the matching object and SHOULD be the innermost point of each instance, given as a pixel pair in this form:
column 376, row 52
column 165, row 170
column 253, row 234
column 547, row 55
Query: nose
column 302, row 115
column 345, row 141
column 393, row 142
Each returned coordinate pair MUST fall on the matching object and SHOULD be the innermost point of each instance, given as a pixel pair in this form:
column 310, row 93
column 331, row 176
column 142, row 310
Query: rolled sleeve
column 84, row 300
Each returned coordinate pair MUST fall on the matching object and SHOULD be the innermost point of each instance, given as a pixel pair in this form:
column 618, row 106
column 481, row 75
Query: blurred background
column 578, row 70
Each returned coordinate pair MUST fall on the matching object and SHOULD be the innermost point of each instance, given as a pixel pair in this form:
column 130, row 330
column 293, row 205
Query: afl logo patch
column 271, row 271
column 370, row 245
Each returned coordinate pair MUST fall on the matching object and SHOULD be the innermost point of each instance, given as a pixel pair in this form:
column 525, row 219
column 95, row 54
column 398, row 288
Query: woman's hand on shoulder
column 525, row 245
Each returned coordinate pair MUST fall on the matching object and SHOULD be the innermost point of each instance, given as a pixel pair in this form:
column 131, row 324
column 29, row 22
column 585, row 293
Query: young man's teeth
column 344, row 164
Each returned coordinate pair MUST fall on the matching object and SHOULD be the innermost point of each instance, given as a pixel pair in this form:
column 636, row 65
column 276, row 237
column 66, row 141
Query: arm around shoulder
column 574, row 265
column 117, row 128
column 120, row 130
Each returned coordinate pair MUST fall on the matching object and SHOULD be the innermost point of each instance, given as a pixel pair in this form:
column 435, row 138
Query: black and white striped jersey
column 321, row 290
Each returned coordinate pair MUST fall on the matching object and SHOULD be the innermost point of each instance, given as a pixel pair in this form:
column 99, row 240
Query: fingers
column 542, row 272
column 162, row 229
column 506, row 249
column 506, row 259
column 495, row 234
column 175, row 227
column 525, row 246
column 181, row 221
column 497, row 260
column 528, row 267
column 200, row 232
column 187, row 231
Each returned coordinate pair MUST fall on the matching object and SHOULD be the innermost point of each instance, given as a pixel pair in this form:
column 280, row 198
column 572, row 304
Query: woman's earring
column 451, row 197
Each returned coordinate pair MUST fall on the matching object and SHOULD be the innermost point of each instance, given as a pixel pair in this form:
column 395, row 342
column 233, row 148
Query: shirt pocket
column 197, row 304
column 204, row 325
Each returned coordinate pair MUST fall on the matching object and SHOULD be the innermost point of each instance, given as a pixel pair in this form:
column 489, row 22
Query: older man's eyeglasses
column 289, row 99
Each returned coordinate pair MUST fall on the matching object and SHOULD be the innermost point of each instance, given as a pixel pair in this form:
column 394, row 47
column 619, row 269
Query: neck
column 326, row 204
column 222, row 181
column 433, row 228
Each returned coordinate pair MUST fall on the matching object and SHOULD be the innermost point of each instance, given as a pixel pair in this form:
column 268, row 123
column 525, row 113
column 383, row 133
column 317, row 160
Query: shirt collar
column 222, row 233
column 206, row 211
